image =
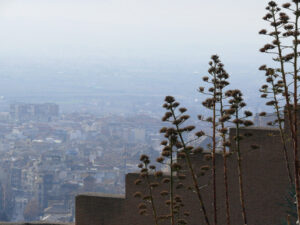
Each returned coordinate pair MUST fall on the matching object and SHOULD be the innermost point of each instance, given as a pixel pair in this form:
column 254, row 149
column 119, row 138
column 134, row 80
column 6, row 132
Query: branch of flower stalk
column 196, row 186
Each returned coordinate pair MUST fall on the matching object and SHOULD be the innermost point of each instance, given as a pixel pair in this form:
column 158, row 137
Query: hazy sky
column 150, row 29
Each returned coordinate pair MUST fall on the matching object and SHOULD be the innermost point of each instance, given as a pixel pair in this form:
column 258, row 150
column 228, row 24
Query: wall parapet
column 99, row 209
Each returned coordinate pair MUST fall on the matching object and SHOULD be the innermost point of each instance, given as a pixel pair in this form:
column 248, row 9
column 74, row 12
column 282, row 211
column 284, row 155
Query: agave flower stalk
column 237, row 104
column 169, row 151
column 222, row 83
column 145, row 174
column 287, row 30
column 171, row 106
column 172, row 140
column 275, row 90
column 210, row 103
column 218, row 81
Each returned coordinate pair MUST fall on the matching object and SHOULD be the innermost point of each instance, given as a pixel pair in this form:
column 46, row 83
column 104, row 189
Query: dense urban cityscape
column 48, row 158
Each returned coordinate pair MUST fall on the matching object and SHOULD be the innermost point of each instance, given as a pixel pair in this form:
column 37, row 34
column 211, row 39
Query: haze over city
column 63, row 46
column 82, row 84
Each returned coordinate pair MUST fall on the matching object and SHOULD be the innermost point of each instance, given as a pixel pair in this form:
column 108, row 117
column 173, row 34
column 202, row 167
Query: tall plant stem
column 240, row 174
column 292, row 119
column 192, row 172
column 171, row 185
column 152, row 201
column 214, row 154
column 225, row 166
column 282, row 136
column 295, row 110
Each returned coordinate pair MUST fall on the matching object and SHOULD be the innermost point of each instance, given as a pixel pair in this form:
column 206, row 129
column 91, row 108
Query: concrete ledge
column 99, row 209
column 34, row 223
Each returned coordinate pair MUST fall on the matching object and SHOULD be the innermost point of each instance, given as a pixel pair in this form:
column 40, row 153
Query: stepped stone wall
column 265, row 183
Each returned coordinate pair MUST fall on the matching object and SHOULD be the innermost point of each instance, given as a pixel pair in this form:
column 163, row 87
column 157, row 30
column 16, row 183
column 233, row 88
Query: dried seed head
column 248, row 123
column 223, row 130
column 242, row 104
column 230, row 111
column 263, row 114
column 175, row 104
column 163, row 130
column 182, row 110
column 182, row 222
column 158, row 174
column 168, row 115
column 154, row 185
column 204, row 168
column 198, row 150
column 205, row 79
column 264, row 95
column 147, row 197
column 270, row 103
column 227, row 144
column 137, row 194
column 181, row 155
column 200, row 134
column 178, row 198
column 165, row 180
column 164, row 193
column 248, row 113
column 209, row 119
column 185, row 117
column 269, row 79
column 237, row 121
column 178, row 144
column 166, row 153
column 263, row 31
column 137, row 181
column 201, row 89
column 144, row 157
column 144, row 170
column 143, row 174
column 142, row 206
column 152, row 167
column 170, row 99
column 263, row 67
column 142, row 211
column 224, row 118
column 189, row 128
column 164, row 142
column 186, row 213
column 160, row 159
column 272, row 4
column 176, row 166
